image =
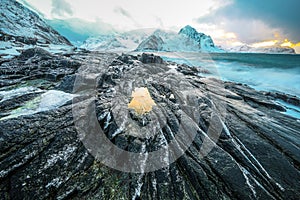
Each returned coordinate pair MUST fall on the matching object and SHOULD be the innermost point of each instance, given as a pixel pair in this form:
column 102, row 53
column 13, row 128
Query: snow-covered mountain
column 19, row 23
column 127, row 41
column 270, row 50
column 186, row 40
column 153, row 43
column 21, row 28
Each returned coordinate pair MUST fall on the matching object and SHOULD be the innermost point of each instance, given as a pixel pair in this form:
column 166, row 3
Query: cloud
column 159, row 21
column 31, row 7
column 261, row 18
column 122, row 11
column 61, row 8
column 78, row 29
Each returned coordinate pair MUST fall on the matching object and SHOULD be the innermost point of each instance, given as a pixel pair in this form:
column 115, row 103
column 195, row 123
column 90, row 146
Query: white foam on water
column 291, row 110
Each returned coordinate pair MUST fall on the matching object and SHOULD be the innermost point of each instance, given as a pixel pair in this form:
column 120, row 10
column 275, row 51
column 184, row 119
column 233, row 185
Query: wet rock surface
column 255, row 147
column 35, row 64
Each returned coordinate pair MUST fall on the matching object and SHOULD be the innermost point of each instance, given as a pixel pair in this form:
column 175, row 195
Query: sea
column 263, row 72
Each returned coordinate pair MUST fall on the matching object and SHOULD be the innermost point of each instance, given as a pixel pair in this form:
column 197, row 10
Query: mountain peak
column 191, row 33
column 204, row 41
column 187, row 30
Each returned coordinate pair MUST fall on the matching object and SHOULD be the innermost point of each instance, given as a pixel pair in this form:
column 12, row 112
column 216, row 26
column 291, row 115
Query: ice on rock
column 19, row 91
column 49, row 100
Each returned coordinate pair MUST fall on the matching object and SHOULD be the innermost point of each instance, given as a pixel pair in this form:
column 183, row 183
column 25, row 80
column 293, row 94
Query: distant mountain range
column 186, row 40
column 21, row 28
column 273, row 49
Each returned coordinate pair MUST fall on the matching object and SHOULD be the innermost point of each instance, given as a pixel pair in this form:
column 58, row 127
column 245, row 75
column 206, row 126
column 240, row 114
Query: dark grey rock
column 38, row 52
column 151, row 58
column 236, row 97
column 285, row 97
column 67, row 84
column 36, row 63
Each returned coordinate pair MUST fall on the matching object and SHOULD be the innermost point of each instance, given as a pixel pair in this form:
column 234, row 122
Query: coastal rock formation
column 231, row 142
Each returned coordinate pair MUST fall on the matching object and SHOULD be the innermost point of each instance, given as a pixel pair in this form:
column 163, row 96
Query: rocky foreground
column 231, row 142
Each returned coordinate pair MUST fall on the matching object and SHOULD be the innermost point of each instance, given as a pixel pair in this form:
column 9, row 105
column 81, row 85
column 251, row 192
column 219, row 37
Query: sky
column 229, row 22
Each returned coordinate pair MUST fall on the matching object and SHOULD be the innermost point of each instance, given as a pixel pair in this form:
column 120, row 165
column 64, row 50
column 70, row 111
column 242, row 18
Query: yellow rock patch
column 141, row 101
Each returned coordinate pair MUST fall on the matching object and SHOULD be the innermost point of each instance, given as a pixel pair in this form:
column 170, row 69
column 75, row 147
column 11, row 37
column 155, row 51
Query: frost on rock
column 62, row 155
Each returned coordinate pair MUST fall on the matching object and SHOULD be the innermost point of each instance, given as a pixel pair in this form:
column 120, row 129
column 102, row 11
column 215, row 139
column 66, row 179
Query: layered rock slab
column 253, row 147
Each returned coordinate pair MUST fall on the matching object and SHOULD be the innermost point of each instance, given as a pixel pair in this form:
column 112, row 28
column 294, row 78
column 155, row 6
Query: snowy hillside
column 187, row 40
column 20, row 28
column 270, row 50
column 127, row 41
column 152, row 43
column 22, row 24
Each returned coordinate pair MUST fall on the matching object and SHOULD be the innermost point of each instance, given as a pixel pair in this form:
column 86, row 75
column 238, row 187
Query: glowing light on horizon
column 290, row 44
column 265, row 43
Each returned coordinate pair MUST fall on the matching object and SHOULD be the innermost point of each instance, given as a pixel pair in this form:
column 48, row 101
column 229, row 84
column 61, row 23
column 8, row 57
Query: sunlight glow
column 265, row 43
column 288, row 43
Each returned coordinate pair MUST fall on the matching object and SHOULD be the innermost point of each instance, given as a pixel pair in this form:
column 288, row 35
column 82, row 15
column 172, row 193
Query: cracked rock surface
column 253, row 147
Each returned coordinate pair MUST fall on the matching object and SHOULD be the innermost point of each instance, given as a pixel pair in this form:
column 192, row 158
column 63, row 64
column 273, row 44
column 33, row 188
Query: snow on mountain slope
column 187, row 40
column 19, row 23
column 21, row 28
column 152, row 43
column 127, row 41
column 270, row 50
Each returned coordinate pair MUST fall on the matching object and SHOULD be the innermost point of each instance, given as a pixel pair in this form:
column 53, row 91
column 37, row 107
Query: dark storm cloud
column 61, row 8
column 276, row 14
